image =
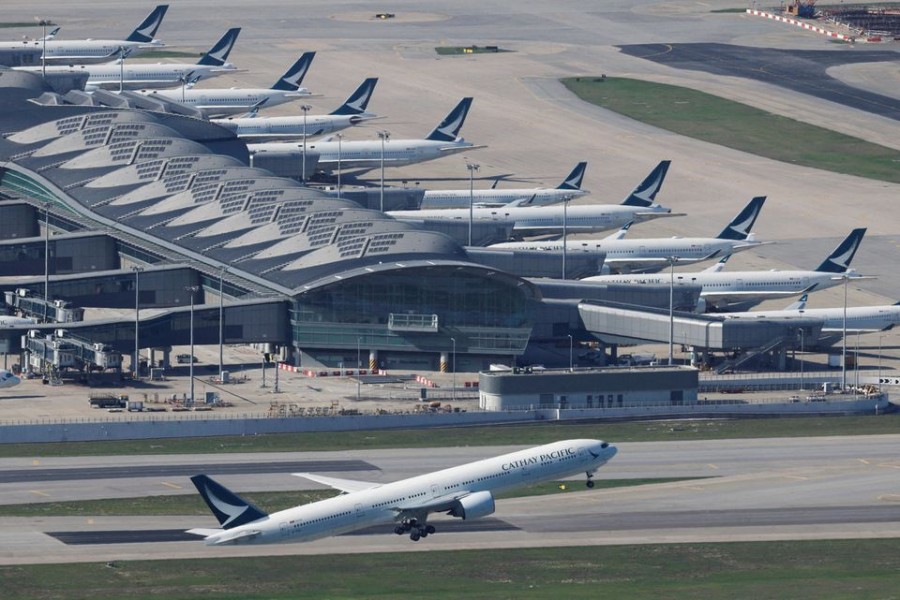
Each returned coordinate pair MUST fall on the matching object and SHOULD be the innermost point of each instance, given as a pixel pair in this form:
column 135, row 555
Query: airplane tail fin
column 358, row 101
column 645, row 193
column 839, row 259
column 799, row 304
column 147, row 29
column 739, row 227
column 293, row 77
column 573, row 181
column 718, row 266
column 449, row 128
column 51, row 34
column 618, row 235
column 218, row 54
column 230, row 509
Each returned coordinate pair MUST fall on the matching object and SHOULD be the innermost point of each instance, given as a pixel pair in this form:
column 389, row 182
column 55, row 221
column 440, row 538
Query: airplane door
column 360, row 511
column 285, row 529
column 435, row 490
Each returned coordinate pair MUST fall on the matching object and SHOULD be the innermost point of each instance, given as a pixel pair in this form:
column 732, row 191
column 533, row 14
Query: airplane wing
column 344, row 485
column 440, row 504
column 646, row 216
column 220, row 537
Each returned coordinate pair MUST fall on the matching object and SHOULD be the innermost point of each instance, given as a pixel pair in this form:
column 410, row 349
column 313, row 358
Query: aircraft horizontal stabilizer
column 646, row 216
column 457, row 148
column 344, row 485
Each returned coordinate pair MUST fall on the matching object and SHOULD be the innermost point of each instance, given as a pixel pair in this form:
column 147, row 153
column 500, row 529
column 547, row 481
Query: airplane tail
column 449, row 128
column 799, row 304
column 51, row 34
column 218, row 54
column 739, row 228
column 293, row 77
column 230, row 509
column 147, row 29
column 358, row 101
column 573, row 181
column 618, row 235
column 645, row 193
column 718, row 266
column 839, row 259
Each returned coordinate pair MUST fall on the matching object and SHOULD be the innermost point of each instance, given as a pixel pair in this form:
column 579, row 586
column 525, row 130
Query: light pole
column 305, row 108
column 121, row 68
column 802, row 334
column 472, row 167
column 385, row 136
column 880, row 337
column 191, row 289
column 221, row 319
column 672, row 261
column 358, row 365
column 565, row 247
column 137, row 315
column 571, row 363
column 340, row 138
column 43, row 23
column 454, row 367
column 46, row 259
column 844, row 339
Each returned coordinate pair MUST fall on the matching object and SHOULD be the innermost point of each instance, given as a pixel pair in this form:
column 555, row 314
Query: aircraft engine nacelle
column 474, row 506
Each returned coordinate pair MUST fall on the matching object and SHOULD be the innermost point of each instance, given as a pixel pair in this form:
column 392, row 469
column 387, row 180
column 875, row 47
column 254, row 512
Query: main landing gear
column 415, row 529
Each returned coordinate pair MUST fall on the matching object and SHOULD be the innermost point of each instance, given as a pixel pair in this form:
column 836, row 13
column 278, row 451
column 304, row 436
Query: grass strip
column 192, row 504
column 739, row 126
column 806, row 570
column 531, row 434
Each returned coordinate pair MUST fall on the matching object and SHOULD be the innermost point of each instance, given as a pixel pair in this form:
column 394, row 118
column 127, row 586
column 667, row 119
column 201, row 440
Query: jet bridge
column 615, row 323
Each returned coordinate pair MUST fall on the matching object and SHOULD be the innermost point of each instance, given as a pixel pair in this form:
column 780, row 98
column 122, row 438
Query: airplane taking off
column 736, row 290
column 8, row 380
column 466, row 491
column 92, row 51
column 567, row 190
column 365, row 155
column 652, row 254
column 132, row 76
column 216, row 102
column 265, row 129
column 553, row 219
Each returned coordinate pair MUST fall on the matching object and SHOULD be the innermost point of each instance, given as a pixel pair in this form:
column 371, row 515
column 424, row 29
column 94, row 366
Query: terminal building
column 116, row 207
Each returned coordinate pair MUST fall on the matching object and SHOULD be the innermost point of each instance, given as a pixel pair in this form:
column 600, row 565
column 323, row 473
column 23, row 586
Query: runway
column 758, row 489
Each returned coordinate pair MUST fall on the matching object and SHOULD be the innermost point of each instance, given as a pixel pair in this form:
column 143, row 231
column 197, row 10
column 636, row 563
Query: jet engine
column 473, row 506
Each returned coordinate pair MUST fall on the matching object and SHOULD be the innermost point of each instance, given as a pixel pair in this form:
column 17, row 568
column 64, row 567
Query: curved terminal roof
column 183, row 183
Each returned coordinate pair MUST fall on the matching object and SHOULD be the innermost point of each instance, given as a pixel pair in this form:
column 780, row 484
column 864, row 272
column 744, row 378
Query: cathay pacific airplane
column 584, row 218
column 8, row 380
column 265, row 129
column 131, row 76
column 366, row 155
column 217, row 102
column 567, row 190
column 466, row 492
column 92, row 51
column 724, row 290
column 652, row 254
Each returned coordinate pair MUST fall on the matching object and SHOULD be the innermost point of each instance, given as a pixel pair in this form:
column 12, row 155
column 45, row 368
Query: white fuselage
column 384, row 503
column 138, row 76
column 723, row 288
column 83, row 51
column 266, row 129
column 16, row 321
column 533, row 220
column 637, row 256
column 495, row 197
column 860, row 319
column 227, row 101
column 366, row 155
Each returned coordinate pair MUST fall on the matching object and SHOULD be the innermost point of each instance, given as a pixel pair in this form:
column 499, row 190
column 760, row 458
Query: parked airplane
column 131, row 76
column 584, row 218
column 215, row 102
column 466, row 491
column 366, row 155
column 265, row 129
column 652, row 254
column 8, row 380
column 87, row 51
column 736, row 290
column 567, row 190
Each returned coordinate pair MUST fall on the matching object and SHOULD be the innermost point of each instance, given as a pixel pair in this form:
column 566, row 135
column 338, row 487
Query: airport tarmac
column 535, row 131
column 763, row 489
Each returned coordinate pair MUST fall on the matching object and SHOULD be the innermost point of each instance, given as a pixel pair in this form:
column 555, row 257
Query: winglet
column 449, row 128
column 645, row 193
column 218, row 54
column 573, row 181
column 739, row 227
column 839, row 259
column 230, row 509
column 293, row 77
column 358, row 101
column 147, row 29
